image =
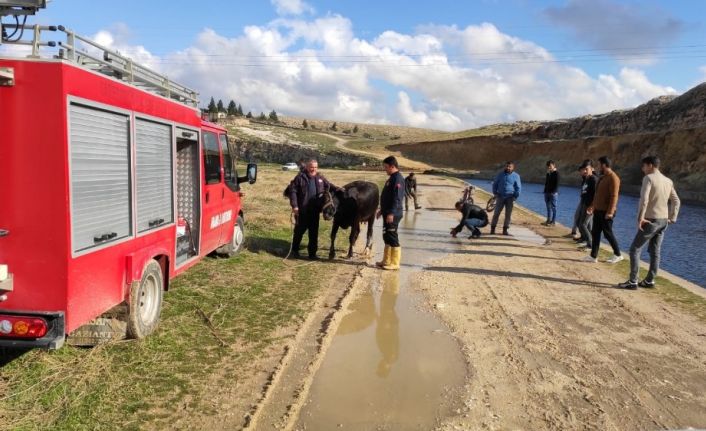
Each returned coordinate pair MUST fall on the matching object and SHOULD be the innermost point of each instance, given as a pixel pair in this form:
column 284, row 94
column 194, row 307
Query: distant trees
column 305, row 124
column 273, row 116
column 262, row 117
column 334, row 126
column 249, row 115
column 232, row 108
column 355, row 129
column 220, row 107
column 212, row 106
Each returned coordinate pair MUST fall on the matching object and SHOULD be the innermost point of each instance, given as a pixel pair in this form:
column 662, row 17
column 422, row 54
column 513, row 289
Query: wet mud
column 392, row 364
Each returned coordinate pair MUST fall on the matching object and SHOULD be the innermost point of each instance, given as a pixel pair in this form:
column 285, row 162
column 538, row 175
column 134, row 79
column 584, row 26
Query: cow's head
column 331, row 201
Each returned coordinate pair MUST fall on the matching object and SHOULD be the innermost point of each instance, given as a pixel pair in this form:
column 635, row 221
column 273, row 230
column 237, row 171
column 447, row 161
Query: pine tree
column 249, row 115
column 240, row 110
column 262, row 116
column 220, row 106
column 334, row 126
column 232, row 108
column 212, row 106
column 355, row 129
column 273, row 116
column 305, row 124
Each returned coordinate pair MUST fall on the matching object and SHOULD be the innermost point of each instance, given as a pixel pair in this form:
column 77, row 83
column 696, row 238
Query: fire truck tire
column 145, row 303
column 236, row 244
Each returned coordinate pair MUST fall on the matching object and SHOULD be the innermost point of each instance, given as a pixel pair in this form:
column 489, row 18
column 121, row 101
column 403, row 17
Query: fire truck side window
column 212, row 158
column 231, row 177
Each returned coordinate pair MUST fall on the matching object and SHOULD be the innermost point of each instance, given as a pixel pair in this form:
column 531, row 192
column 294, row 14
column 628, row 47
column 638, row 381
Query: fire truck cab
column 110, row 185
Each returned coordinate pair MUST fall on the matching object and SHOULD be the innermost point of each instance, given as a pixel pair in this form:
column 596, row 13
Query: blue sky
column 444, row 64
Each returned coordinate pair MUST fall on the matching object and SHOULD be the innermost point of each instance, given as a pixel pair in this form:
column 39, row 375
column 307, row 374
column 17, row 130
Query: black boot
column 505, row 232
column 492, row 230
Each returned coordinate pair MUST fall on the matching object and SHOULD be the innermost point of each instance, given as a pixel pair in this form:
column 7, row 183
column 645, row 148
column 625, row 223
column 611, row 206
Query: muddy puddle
column 391, row 365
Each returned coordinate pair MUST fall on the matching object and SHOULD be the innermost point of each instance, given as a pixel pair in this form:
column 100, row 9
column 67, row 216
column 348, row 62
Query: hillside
column 674, row 128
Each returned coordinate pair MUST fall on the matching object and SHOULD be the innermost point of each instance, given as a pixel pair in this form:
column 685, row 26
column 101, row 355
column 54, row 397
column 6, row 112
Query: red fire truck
column 111, row 184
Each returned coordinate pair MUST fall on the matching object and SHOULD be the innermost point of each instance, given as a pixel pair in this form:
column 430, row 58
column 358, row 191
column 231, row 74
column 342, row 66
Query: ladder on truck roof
column 98, row 58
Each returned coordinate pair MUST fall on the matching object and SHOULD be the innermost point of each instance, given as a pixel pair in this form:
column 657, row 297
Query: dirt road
column 548, row 342
column 552, row 345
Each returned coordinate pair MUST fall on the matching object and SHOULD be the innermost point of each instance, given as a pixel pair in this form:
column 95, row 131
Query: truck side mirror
column 252, row 173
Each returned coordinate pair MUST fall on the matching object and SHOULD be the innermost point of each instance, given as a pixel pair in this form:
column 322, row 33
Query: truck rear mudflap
column 20, row 329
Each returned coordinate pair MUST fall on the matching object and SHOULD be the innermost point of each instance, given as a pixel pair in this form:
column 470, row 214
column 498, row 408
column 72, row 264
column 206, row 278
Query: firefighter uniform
column 391, row 203
column 306, row 193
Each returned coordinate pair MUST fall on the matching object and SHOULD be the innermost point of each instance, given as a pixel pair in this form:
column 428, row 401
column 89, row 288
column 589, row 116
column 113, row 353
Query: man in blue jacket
column 506, row 189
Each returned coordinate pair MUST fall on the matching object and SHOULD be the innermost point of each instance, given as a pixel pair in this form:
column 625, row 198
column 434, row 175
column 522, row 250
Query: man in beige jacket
column 658, row 208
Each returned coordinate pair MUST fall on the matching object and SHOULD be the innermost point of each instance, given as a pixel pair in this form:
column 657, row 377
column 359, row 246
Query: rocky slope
column 674, row 128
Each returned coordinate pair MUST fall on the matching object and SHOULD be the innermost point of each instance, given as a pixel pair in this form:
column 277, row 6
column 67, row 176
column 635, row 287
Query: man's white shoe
column 589, row 258
column 614, row 259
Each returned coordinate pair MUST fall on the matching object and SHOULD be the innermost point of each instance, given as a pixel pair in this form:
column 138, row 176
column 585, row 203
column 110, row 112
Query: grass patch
column 131, row 385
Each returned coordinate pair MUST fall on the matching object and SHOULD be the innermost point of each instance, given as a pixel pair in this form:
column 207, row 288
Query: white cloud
column 440, row 77
column 292, row 7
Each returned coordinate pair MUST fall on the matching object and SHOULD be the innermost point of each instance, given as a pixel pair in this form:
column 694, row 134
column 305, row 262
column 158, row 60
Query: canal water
column 682, row 252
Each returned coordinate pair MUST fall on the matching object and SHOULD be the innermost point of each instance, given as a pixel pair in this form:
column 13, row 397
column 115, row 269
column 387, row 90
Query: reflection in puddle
column 387, row 333
column 391, row 364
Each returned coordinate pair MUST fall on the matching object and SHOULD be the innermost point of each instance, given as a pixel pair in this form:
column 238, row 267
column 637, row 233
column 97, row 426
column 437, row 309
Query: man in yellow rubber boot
column 391, row 209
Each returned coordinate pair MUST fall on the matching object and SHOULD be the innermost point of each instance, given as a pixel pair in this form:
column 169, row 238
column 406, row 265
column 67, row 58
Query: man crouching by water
column 391, row 201
column 473, row 217
column 306, row 196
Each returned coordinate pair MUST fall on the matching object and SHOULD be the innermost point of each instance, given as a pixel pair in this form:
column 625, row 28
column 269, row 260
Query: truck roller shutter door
column 100, row 176
column 153, row 144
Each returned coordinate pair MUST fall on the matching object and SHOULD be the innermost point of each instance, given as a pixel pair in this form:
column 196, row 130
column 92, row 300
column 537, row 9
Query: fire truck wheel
column 235, row 244
column 145, row 302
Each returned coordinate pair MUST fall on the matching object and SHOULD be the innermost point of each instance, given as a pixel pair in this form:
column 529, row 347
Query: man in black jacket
column 306, row 193
column 391, row 199
column 588, row 190
column 551, row 192
column 410, row 187
column 473, row 217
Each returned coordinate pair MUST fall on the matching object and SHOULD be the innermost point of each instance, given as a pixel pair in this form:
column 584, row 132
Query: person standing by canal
column 603, row 209
column 391, row 199
column 410, row 187
column 506, row 189
column 551, row 192
column 588, row 191
column 305, row 196
column 658, row 208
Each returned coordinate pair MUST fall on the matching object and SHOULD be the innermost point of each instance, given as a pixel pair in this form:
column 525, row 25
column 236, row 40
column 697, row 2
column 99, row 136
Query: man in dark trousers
column 588, row 190
column 551, row 192
column 391, row 199
column 306, row 193
column 473, row 217
column 410, row 186
column 603, row 208
column 506, row 189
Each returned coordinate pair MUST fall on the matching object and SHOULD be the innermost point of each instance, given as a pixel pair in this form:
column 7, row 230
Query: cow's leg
column 332, row 250
column 369, row 239
column 355, row 230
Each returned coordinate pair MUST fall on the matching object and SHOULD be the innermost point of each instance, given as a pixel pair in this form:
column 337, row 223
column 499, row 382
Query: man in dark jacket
column 473, row 217
column 391, row 199
column 306, row 194
column 551, row 192
column 588, row 190
column 410, row 187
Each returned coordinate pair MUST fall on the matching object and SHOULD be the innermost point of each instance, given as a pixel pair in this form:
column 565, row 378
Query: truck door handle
column 105, row 237
column 223, row 194
column 155, row 222
column 207, row 195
